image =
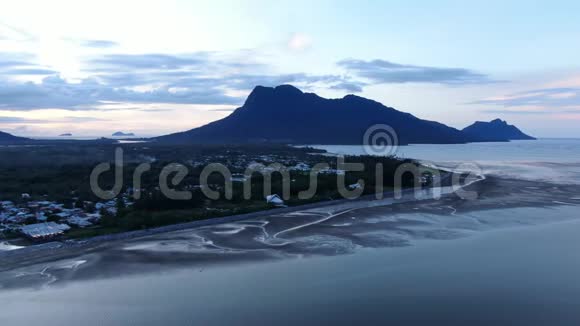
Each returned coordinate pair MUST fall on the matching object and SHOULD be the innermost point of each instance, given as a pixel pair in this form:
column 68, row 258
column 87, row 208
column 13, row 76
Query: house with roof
column 44, row 231
column 275, row 200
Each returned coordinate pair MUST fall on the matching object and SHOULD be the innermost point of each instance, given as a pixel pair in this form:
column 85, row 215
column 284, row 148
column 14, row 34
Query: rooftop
column 43, row 230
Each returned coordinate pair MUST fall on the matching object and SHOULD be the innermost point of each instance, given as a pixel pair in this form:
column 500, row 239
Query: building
column 238, row 177
column 44, row 231
column 79, row 221
column 355, row 186
column 303, row 167
column 332, row 171
column 426, row 179
column 275, row 200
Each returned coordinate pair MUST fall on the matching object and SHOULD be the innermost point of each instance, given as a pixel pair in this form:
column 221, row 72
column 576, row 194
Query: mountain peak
column 285, row 114
column 359, row 99
column 352, row 97
column 495, row 130
column 262, row 96
column 278, row 90
column 498, row 121
column 287, row 89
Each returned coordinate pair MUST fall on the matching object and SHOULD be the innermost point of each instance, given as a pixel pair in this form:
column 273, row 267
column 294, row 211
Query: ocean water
column 541, row 150
column 528, row 277
column 556, row 160
column 508, row 257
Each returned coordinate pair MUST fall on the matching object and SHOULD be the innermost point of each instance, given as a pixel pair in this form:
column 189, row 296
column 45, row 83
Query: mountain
column 6, row 137
column 65, row 135
column 122, row 134
column 284, row 114
column 495, row 130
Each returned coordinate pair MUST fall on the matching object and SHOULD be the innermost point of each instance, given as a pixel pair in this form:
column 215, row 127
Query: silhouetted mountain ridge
column 285, row 114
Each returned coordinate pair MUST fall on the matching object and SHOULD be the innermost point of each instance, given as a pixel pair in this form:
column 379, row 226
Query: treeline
column 62, row 174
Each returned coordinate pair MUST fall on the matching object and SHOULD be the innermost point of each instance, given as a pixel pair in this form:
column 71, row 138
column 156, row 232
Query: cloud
column 15, row 59
column 209, row 73
column 249, row 81
column 55, row 92
column 21, row 64
column 29, row 71
column 299, row 42
column 150, row 61
column 517, row 112
column 11, row 120
column 20, row 120
column 207, row 78
column 223, row 110
column 386, row 72
column 349, row 86
column 539, row 111
column 561, row 97
column 101, row 44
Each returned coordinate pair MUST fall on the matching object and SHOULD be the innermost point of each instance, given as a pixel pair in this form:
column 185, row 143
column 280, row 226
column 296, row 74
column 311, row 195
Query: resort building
column 44, row 231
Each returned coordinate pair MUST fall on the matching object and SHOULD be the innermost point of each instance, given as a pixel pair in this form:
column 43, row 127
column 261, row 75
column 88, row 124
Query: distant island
column 123, row 134
column 285, row 114
column 65, row 135
column 495, row 130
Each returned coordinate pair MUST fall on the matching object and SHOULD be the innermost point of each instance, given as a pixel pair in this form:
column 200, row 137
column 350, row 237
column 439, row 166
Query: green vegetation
column 61, row 173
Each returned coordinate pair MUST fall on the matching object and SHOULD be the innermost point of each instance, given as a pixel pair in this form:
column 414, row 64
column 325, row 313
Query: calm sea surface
column 556, row 160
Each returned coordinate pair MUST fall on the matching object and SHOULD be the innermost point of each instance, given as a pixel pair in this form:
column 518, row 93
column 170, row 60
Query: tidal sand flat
column 325, row 231
column 512, row 276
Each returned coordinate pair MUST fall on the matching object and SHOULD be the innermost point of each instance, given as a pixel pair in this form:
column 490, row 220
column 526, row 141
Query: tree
column 53, row 218
column 90, row 208
column 121, row 207
column 79, row 204
column 107, row 218
column 68, row 204
column 30, row 220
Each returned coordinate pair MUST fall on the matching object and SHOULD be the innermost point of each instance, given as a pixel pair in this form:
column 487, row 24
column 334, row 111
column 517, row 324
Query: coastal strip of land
column 22, row 256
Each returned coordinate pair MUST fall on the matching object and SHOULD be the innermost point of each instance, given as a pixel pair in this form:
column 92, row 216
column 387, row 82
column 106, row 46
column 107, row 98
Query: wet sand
column 509, row 276
column 321, row 231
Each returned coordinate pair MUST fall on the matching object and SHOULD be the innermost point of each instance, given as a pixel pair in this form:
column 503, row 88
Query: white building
column 354, row 186
column 44, row 231
column 238, row 177
column 301, row 167
column 275, row 200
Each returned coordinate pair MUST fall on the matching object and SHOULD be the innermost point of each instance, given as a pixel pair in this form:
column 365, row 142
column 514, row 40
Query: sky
column 92, row 68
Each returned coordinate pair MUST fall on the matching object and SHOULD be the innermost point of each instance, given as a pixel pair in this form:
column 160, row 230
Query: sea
column 508, row 257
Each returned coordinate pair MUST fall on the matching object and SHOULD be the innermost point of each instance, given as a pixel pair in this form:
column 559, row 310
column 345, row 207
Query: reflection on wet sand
column 330, row 230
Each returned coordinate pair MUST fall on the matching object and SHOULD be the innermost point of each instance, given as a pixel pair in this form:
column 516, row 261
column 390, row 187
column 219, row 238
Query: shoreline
column 332, row 229
column 91, row 242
